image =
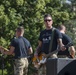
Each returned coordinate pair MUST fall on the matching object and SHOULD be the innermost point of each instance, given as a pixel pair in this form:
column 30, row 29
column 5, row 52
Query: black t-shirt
column 65, row 39
column 21, row 45
column 45, row 38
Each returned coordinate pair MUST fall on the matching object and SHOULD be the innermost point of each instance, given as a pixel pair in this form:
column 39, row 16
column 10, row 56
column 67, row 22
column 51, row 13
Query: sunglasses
column 48, row 20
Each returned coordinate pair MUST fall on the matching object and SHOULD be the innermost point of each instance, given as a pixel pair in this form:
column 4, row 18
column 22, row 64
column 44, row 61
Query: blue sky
column 68, row 1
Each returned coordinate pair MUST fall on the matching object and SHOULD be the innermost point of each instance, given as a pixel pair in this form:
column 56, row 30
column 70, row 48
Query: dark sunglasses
column 48, row 20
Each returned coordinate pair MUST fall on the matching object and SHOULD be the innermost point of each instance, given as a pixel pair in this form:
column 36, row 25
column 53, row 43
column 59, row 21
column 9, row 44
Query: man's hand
column 63, row 48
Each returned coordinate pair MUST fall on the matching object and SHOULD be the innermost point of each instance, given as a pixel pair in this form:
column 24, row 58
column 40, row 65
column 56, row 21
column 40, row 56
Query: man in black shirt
column 20, row 47
column 45, row 38
column 70, row 51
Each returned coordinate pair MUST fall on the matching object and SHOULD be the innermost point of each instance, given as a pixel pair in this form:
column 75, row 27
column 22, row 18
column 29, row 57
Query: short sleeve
column 13, row 43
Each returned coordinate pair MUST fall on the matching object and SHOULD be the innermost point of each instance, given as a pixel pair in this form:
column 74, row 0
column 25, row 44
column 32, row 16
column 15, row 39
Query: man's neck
column 62, row 31
column 48, row 28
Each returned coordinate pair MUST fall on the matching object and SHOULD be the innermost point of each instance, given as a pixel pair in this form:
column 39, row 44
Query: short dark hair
column 47, row 15
column 20, row 29
column 60, row 27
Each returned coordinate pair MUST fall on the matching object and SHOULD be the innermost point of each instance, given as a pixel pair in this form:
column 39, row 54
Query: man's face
column 48, row 22
column 17, row 33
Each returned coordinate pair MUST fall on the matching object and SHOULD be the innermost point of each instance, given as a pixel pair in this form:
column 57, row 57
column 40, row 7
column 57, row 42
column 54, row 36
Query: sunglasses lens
column 47, row 20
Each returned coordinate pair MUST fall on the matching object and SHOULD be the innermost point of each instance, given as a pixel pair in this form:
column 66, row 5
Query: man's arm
column 61, row 45
column 30, row 50
column 8, row 52
column 72, row 51
column 38, row 49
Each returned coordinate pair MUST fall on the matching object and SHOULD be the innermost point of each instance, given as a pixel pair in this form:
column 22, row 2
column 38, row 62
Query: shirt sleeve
column 27, row 43
column 13, row 43
column 68, row 39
